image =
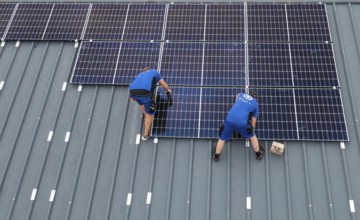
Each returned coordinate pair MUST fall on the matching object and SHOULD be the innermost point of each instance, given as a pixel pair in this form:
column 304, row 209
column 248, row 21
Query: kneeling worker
column 242, row 118
column 142, row 90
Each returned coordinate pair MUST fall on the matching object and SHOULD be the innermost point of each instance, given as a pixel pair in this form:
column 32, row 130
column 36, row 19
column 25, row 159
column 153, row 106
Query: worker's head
column 253, row 94
column 146, row 69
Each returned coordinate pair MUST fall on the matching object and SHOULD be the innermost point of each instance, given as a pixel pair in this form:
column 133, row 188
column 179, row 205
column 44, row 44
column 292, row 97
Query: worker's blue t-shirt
column 244, row 105
column 144, row 80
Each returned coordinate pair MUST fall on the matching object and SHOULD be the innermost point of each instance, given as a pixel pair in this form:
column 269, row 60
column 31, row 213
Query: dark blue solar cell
column 6, row 11
column 269, row 65
column 145, row 22
column 66, row 22
column 106, row 22
column 30, row 21
column 181, row 63
column 313, row 65
column 225, row 22
column 96, row 63
column 134, row 56
column 308, row 23
column 267, row 23
column 320, row 115
column 177, row 116
column 224, row 64
column 185, row 22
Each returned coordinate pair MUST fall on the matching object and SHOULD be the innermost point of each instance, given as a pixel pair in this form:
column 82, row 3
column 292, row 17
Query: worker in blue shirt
column 142, row 90
column 242, row 118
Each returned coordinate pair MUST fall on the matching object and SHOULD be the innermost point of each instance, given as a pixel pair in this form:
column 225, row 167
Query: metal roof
column 70, row 152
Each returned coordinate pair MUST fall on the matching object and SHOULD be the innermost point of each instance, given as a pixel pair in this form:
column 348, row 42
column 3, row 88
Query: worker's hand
column 169, row 92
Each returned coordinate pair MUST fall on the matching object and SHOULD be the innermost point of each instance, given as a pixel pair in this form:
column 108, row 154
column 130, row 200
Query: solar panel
column 320, row 115
column 308, row 23
column 224, row 64
column 313, row 65
column 29, row 21
column 145, row 22
column 269, row 65
column 106, row 22
column 277, row 118
column 179, row 115
column 225, row 22
column 96, row 63
column 134, row 56
column 66, row 22
column 181, row 63
column 215, row 104
column 267, row 23
column 6, row 11
column 185, row 22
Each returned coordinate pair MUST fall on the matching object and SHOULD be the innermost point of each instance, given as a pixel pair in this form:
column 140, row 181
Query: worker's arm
column 253, row 122
column 165, row 86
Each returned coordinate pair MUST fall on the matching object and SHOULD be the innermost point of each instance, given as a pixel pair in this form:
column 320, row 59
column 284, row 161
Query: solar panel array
column 182, row 63
column 286, row 113
column 161, row 22
column 208, row 53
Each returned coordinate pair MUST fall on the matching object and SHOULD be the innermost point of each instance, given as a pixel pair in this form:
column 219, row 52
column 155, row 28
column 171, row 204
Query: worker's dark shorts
column 230, row 127
column 144, row 98
column 146, row 101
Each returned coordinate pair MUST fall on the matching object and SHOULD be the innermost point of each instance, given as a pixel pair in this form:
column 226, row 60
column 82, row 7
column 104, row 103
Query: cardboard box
column 277, row 148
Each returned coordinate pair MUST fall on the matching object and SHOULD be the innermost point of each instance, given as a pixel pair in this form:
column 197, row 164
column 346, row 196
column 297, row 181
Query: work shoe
column 215, row 155
column 145, row 137
column 260, row 153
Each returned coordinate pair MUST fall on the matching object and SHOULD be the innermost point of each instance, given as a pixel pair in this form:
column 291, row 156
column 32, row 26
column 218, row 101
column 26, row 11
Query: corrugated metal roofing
column 71, row 152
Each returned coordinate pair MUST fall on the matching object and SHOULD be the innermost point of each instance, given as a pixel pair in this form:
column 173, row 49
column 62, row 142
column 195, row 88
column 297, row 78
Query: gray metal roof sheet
column 91, row 175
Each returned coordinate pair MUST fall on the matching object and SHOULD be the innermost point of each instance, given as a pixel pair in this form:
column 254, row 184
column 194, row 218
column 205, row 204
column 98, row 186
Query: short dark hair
column 253, row 94
column 146, row 68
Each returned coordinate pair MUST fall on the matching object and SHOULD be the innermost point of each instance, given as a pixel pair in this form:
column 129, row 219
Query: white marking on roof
column 50, row 135
column 67, row 136
column 52, row 195
column 2, row 84
column 17, row 44
column 248, row 202
column 148, row 198
column 247, row 143
column 128, row 200
column 64, row 86
column 156, row 140
column 2, row 43
column 138, row 139
column 342, row 145
column 33, row 194
column 80, row 88
column 352, row 206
